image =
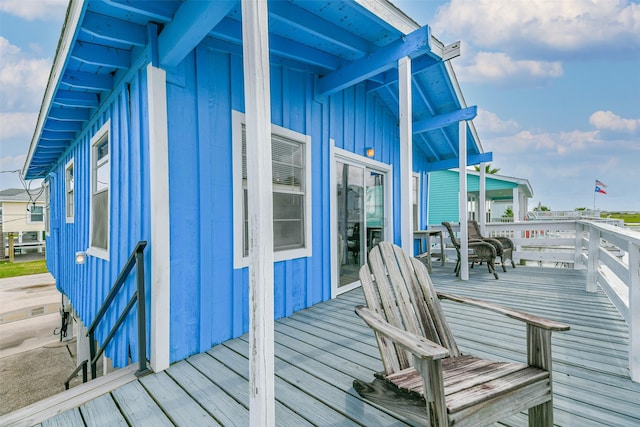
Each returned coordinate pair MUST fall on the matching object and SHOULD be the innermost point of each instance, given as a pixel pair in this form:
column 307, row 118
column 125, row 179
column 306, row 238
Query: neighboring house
column 501, row 193
column 145, row 109
column 22, row 215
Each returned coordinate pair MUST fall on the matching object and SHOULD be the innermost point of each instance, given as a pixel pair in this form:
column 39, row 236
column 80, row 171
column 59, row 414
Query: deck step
column 69, row 399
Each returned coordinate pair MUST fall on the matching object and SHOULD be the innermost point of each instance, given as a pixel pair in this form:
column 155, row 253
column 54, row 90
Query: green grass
column 627, row 217
column 8, row 269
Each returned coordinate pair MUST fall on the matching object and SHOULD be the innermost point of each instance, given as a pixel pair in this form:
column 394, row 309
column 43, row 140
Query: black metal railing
column 82, row 366
column 135, row 259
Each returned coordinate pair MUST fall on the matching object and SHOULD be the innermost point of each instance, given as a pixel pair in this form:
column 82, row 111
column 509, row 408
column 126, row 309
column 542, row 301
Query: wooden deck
column 319, row 352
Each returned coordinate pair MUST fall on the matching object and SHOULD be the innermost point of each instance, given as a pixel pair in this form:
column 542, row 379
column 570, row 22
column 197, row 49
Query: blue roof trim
column 102, row 40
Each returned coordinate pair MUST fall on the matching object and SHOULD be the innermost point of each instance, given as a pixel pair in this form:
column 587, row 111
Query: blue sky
column 557, row 84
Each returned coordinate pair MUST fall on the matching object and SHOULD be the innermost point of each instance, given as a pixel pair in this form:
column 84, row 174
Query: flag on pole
column 600, row 190
column 600, row 184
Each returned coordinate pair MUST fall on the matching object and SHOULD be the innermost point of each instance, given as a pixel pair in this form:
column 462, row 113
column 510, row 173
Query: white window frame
column 69, row 186
column 31, row 206
column 415, row 199
column 239, row 260
column 47, row 210
column 98, row 138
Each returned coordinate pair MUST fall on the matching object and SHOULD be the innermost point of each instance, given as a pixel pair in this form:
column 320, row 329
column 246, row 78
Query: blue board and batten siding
column 209, row 298
column 87, row 285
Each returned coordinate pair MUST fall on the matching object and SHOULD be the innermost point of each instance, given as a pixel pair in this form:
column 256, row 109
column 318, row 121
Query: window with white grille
column 69, row 191
column 100, row 184
column 291, row 174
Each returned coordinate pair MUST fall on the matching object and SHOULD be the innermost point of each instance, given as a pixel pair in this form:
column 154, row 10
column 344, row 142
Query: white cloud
column 22, row 78
column 606, row 120
column 560, row 143
column 543, row 27
column 32, row 10
column 19, row 125
column 489, row 122
column 501, row 68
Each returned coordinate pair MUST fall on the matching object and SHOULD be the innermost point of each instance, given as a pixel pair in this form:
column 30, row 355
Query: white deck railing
column 609, row 252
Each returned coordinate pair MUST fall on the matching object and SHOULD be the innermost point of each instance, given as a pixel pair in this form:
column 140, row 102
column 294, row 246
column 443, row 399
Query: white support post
column 406, row 159
column 482, row 203
column 255, row 49
column 634, row 311
column 577, row 258
column 159, row 353
column 593, row 260
column 462, row 207
column 516, row 205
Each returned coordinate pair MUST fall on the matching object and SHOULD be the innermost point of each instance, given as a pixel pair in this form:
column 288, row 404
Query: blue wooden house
column 145, row 134
column 500, row 192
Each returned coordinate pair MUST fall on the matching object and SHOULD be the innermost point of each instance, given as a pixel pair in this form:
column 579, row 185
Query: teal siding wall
column 444, row 189
column 443, row 196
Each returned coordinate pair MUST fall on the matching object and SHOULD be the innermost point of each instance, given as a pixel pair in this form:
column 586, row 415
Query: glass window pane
column 36, row 214
column 102, row 177
column 99, row 233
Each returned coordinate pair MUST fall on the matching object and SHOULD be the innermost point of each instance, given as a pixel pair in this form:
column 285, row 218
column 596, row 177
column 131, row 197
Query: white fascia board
column 391, row 14
column 75, row 11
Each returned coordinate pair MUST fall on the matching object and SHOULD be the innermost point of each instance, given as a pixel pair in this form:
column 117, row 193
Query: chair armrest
column 514, row 314
column 415, row 344
column 482, row 244
column 506, row 242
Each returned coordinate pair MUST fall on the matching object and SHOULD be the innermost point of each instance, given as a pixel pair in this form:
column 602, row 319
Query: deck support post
column 255, row 49
column 406, row 159
column 462, row 206
column 482, row 202
column 594, row 259
column 11, row 247
column 634, row 311
column 577, row 259
column 516, row 204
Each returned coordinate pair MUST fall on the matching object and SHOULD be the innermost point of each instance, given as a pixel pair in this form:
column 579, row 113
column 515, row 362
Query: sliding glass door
column 360, row 216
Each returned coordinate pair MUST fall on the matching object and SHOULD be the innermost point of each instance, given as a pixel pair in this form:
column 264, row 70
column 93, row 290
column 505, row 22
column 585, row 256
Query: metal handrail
column 135, row 259
column 82, row 366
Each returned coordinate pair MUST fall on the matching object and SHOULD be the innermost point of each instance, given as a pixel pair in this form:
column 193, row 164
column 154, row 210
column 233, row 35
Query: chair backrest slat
column 473, row 231
column 402, row 293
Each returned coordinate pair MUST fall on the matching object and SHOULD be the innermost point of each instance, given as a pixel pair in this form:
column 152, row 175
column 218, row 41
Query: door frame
column 339, row 154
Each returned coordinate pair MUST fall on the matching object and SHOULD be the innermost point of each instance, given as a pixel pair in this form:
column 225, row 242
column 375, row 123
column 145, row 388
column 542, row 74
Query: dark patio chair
column 479, row 252
column 504, row 246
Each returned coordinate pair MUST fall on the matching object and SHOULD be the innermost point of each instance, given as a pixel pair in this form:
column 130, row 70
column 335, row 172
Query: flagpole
column 594, row 198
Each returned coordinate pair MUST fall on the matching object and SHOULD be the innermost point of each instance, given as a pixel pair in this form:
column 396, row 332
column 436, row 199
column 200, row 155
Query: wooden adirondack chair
column 503, row 245
column 425, row 377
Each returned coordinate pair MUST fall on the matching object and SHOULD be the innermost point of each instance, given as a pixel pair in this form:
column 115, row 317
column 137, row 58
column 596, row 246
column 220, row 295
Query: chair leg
column 504, row 268
column 492, row 268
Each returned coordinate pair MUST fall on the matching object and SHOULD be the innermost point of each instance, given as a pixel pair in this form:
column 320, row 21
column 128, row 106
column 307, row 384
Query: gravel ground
column 33, row 375
column 33, row 362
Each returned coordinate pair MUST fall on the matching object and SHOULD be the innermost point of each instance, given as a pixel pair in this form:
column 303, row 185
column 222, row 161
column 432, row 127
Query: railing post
column 634, row 311
column 142, row 327
column 594, row 259
column 577, row 259
column 92, row 355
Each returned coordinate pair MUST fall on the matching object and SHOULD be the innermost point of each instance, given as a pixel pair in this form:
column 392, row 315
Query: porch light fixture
column 81, row 257
column 369, row 152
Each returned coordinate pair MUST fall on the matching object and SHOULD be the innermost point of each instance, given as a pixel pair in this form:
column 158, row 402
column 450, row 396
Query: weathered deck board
column 177, row 404
column 138, row 407
column 319, row 352
column 103, row 412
